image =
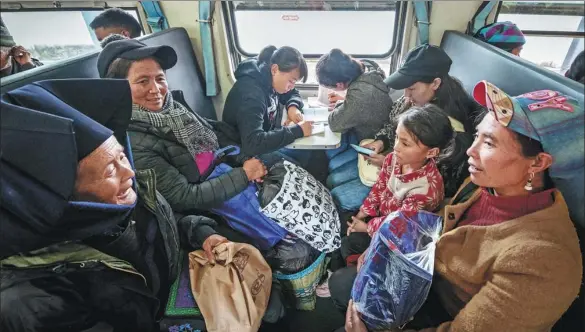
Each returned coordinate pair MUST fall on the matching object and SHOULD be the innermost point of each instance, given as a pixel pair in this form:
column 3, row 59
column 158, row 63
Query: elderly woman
column 166, row 135
column 509, row 257
column 84, row 238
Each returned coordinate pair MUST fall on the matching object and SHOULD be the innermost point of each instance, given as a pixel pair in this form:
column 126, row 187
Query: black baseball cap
column 423, row 63
column 132, row 49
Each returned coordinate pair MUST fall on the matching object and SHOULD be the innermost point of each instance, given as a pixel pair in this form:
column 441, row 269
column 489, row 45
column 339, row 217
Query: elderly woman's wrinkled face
column 421, row 93
column 148, row 84
column 105, row 176
column 496, row 160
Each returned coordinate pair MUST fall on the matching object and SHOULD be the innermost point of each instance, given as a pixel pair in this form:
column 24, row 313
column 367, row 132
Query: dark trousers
column 76, row 301
column 340, row 285
column 354, row 244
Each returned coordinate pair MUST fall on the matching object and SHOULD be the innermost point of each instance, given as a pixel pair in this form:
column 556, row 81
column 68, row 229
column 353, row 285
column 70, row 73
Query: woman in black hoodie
column 253, row 107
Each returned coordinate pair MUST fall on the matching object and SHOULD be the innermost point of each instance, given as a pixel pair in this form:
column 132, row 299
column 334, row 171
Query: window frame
column 238, row 52
column 72, row 9
column 541, row 33
column 546, row 33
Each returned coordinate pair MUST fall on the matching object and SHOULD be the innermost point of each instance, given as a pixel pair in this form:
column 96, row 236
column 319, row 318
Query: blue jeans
column 346, row 139
column 350, row 195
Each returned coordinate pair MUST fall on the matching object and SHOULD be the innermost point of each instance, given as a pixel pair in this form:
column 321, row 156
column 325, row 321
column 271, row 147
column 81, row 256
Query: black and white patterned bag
column 304, row 207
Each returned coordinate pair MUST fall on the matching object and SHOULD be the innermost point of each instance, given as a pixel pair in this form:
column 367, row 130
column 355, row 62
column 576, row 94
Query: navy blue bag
column 396, row 277
column 242, row 213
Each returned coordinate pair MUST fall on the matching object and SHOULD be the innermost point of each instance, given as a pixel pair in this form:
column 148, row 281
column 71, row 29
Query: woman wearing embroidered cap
column 84, row 237
column 509, row 257
column 166, row 135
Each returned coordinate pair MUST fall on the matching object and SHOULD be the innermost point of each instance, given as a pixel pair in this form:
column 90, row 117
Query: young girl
column 409, row 179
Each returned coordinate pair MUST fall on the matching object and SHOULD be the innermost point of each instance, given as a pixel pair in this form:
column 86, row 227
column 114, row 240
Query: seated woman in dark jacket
column 252, row 106
column 166, row 135
column 84, row 237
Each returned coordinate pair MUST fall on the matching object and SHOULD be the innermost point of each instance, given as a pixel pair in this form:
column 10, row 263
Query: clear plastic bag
column 396, row 276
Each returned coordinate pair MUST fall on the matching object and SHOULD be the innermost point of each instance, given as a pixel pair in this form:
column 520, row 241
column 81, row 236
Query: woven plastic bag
column 396, row 276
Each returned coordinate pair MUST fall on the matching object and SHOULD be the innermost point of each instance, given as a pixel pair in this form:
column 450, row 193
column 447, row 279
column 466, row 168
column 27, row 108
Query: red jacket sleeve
column 371, row 205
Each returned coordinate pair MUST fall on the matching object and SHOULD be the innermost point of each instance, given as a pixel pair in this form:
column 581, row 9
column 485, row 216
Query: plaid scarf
column 186, row 127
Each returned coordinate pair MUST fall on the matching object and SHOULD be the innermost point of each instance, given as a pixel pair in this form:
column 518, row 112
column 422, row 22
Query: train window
column 553, row 30
column 365, row 29
column 53, row 35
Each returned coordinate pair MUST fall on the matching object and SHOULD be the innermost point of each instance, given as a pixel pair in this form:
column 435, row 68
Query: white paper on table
column 316, row 114
column 318, row 128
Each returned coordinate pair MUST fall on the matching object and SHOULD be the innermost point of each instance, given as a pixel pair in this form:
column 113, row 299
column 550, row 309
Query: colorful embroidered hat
column 504, row 35
column 557, row 122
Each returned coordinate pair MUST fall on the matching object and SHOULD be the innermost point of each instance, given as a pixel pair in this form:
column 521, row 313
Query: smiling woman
column 148, row 83
column 165, row 134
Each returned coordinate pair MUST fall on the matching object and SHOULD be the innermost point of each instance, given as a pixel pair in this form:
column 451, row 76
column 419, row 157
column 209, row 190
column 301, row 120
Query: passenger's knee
column 25, row 307
column 15, row 310
column 340, row 285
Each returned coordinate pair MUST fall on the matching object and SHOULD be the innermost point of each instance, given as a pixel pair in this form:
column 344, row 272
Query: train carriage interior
column 211, row 40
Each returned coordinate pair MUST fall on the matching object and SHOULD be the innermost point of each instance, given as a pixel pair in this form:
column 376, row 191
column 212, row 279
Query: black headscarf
column 47, row 128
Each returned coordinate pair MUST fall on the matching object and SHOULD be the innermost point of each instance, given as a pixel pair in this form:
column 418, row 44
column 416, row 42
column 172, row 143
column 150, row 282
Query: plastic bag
column 396, row 277
column 242, row 213
column 291, row 255
column 271, row 184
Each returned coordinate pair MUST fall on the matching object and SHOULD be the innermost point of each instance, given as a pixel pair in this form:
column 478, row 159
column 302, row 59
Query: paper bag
column 233, row 292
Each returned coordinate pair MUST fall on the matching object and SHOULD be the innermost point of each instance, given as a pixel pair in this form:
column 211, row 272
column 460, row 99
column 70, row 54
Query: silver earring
column 528, row 185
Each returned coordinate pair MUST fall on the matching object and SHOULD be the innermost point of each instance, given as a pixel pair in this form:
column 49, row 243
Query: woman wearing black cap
column 84, row 237
column 166, row 135
column 425, row 78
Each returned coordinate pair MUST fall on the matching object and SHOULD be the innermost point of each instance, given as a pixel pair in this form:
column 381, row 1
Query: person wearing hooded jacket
column 252, row 106
column 359, row 115
column 85, row 238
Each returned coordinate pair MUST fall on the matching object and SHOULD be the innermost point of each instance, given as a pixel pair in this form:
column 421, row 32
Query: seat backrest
column 185, row 75
column 475, row 60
